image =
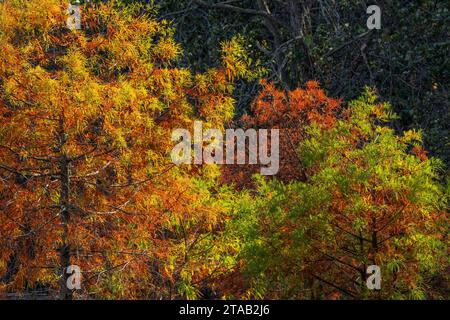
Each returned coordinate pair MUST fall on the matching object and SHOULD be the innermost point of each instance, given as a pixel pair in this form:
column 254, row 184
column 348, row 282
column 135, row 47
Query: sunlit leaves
column 104, row 99
column 368, row 198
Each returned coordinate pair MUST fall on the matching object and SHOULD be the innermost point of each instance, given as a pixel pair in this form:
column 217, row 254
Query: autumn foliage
column 369, row 197
column 86, row 176
column 290, row 112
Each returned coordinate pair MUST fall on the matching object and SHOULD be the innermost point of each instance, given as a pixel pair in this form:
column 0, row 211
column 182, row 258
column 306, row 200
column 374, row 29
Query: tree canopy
column 87, row 179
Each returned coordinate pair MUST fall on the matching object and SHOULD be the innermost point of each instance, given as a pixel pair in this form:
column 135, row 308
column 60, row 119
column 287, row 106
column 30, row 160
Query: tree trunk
column 64, row 251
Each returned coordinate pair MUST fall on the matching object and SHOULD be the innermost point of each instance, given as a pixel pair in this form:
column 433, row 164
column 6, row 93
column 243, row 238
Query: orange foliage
column 85, row 171
column 290, row 112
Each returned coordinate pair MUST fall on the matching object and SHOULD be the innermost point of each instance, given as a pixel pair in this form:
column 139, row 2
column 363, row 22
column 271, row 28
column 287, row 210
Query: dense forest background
column 86, row 177
column 328, row 41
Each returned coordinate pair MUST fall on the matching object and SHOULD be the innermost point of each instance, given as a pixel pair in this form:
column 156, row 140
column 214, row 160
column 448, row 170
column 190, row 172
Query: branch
column 229, row 7
column 19, row 157
column 346, row 44
column 28, row 176
column 348, row 292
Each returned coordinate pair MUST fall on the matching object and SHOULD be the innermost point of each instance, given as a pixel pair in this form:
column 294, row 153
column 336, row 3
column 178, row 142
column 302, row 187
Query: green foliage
column 106, row 98
column 367, row 200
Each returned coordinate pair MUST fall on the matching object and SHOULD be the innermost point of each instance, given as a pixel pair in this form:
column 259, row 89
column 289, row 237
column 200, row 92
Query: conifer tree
column 86, row 176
